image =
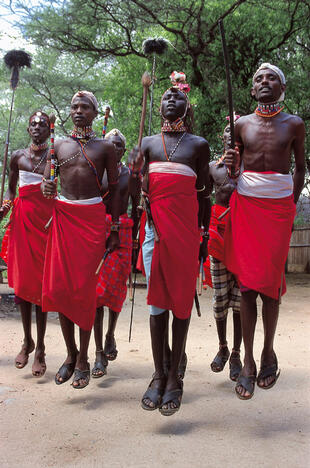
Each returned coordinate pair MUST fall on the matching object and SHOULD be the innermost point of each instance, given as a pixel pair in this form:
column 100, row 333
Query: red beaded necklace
column 268, row 110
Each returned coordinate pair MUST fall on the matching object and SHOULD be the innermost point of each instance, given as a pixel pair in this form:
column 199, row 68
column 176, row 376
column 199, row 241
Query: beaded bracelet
column 115, row 226
column 6, row 206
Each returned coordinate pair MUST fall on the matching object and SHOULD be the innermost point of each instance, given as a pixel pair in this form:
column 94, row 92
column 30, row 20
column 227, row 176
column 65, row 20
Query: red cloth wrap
column 174, row 209
column 75, row 247
column 26, row 243
column 111, row 287
column 216, row 240
column 257, row 237
column 216, row 232
column 140, row 265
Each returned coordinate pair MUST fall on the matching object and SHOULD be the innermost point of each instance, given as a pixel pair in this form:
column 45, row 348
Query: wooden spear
column 15, row 60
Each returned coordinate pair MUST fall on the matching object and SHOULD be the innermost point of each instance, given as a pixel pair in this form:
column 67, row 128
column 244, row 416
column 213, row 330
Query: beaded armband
column 135, row 244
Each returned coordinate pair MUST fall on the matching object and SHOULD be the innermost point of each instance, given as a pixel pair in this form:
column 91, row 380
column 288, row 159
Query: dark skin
column 26, row 160
column 78, row 182
column 129, row 187
column 224, row 187
column 266, row 144
column 193, row 152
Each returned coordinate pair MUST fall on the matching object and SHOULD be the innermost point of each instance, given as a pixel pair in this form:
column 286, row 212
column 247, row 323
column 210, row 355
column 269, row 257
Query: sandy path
column 44, row 425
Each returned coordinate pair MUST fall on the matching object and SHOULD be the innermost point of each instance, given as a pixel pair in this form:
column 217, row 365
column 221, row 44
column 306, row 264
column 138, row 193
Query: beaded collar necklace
column 268, row 110
column 176, row 126
column 41, row 146
column 83, row 133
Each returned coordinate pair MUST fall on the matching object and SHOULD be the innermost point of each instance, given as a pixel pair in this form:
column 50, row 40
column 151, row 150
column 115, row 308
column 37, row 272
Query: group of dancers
column 70, row 250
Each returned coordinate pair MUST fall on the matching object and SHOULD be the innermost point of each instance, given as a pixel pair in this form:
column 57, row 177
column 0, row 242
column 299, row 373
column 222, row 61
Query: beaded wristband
column 115, row 227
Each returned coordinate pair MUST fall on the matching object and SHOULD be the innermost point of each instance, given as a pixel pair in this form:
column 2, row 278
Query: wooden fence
column 298, row 260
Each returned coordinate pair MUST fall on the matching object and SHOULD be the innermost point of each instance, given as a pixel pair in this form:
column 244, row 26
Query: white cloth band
column 265, row 185
column 171, row 168
column 29, row 178
column 87, row 201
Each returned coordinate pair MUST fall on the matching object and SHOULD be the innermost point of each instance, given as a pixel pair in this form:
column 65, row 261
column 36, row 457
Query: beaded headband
column 39, row 116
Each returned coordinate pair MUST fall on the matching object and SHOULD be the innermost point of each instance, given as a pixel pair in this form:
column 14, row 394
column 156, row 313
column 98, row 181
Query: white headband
column 278, row 72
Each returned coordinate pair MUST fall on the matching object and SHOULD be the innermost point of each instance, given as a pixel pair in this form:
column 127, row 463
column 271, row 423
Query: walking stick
column 14, row 59
column 146, row 82
column 52, row 118
column 106, row 253
column 51, row 158
column 229, row 90
column 197, row 304
column 153, row 46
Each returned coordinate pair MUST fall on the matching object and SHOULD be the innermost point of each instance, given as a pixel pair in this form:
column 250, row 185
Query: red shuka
column 111, row 287
column 257, row 236
column 75, row 247
column 216, row 240
column 26, row 243
column 174, row 267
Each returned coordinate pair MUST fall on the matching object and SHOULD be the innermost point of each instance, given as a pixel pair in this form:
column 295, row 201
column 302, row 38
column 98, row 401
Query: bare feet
column 39, row 365
column 22, row 358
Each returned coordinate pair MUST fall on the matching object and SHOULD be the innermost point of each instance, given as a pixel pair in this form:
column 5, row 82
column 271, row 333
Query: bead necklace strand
column 173, row 149
column 79, row 153
column 41, row 160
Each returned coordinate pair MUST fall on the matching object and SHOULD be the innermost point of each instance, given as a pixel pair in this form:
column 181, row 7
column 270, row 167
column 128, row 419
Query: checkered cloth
column 111, row 287
column 226, row 292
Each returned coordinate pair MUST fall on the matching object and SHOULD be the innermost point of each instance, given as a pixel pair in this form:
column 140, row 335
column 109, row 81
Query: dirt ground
column 103, row 425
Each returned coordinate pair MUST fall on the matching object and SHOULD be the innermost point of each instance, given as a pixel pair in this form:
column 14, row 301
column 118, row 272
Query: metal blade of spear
column 14, row 60
column 229, row 88
column 146, row 83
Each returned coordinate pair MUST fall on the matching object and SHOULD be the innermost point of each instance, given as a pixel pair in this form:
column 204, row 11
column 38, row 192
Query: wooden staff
column 200, row 278
column 52, row 118
column 154, row 46
column 105, row 121
column 15, row 60
column 224, row 213
column 197, row 304
column 106, row 253
column 146, row 82
column 51, row 157
column 229, row 90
